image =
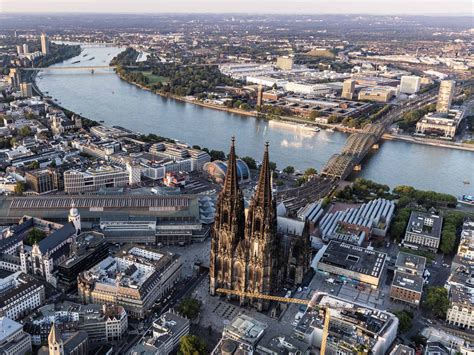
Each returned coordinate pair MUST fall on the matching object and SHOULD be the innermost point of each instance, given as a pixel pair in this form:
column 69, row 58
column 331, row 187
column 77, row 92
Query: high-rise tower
column 44, row 44
column 445, row 95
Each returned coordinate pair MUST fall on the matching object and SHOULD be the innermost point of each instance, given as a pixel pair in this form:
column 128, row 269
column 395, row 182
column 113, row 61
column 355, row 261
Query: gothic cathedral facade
column 247, row 251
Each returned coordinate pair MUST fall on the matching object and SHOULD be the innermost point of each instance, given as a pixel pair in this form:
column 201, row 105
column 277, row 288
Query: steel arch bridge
column 356, row 148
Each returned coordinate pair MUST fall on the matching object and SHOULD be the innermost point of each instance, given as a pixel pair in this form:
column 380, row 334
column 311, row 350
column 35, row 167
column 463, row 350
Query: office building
column 348, row 89
column 410, row 84
column 408, row 280
column 25, row 49
column 151, row 231
column 13, row 340
column 102, row 323
column 134, row 174
column 247, row 335
column 88, row 249
column 43, row 180
column 461, row 308
column 19, row 49
column 377, row 94
column 284, row 63
column 352, row 262
column 352, row 326
column 445, row 96
column 410, row 264
column 180, row 152
column 44, row 44
column 465, row 251
column 166, row 333
column 307, row 89
column 423, row 231
column 260, row 96
column 93, row 179
column 242, row 333
column 26, row 90
column 14, row 77
column 406, row 288
column 134, row 279
column 460, row 283
column 20, row 294
column 443, row 125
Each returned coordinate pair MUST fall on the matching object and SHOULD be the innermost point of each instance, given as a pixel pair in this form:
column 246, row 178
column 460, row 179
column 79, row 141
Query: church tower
column 75, row 218
column 55, row 343
column 226, row 270
column 261, row 238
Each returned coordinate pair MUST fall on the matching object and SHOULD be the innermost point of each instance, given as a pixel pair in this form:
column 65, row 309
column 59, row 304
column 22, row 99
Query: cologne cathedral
column 253, row 250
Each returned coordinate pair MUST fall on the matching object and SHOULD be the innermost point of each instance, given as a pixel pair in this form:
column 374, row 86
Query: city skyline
column 343, row 207
column 402, row 7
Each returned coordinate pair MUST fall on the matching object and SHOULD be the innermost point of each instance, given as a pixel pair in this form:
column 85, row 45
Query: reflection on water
column 105, row 97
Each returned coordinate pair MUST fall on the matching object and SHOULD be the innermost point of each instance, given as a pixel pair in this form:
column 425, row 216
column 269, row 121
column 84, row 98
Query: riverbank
column 299, row 121
column 429, row 141
column 194, row 102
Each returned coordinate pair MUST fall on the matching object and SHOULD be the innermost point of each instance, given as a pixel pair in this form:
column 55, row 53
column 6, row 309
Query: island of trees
column 170, row 78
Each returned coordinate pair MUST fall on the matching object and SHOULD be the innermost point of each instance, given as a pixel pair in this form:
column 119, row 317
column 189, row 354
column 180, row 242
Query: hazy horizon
column 323, row 7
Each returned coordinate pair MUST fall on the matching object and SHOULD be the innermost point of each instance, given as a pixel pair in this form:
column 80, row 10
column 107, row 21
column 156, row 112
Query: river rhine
column 104, row 97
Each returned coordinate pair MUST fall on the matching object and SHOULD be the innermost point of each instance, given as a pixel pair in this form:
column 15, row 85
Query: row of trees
column 409, row 119
column 363, row 189
column 57, row 54
column 273, row 111
column 399, row 225
column 425, row 198
column 452, row 222
column 363, row 120
column 191, row 344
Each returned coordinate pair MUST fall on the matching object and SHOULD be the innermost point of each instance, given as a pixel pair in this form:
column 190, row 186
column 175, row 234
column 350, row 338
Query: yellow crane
column 327, row 308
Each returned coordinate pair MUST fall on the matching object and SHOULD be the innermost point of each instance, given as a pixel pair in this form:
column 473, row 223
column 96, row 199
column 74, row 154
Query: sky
column 410, row 7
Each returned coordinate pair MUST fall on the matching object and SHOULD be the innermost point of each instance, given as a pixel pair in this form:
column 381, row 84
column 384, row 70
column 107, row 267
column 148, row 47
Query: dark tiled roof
column 57, row 237
column 74, row 341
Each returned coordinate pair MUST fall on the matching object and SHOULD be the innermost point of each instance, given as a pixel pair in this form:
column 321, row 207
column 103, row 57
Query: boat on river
column 466, row 200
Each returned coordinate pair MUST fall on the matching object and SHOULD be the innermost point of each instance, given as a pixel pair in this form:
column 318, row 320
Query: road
column 182, row 290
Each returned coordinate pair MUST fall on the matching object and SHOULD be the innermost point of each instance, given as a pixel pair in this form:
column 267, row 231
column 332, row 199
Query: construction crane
column 327, row 308
column 262, row 296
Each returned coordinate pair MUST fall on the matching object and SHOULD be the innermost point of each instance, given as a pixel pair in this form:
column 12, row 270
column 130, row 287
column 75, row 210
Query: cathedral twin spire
column 231, row 183
column 264, row 188
column 247, row 254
